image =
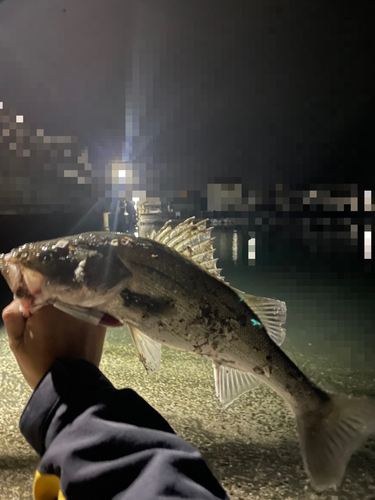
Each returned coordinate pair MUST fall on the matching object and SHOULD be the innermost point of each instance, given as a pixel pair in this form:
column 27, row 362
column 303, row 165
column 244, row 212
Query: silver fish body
column 168, row 290
column 177, row 303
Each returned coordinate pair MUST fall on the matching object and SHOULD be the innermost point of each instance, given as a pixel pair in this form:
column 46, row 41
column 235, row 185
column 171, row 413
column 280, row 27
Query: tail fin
column 330, row 435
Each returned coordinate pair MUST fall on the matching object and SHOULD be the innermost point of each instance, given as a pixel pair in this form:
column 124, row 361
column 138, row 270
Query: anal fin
column 148, row 350
column 230, row 384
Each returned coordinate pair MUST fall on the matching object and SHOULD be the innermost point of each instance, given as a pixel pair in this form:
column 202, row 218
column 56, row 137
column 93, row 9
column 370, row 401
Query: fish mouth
column 25, row 283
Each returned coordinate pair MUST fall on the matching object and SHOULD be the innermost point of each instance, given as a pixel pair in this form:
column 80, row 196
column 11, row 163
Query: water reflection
column 235, row 247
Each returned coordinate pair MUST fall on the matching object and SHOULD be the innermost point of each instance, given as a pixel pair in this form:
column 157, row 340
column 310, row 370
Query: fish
column 168, row 290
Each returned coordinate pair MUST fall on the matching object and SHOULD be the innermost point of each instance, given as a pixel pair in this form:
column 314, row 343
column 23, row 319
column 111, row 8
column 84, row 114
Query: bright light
column 367, row 244
column 19, row 119
column 135, row 200
column 251, row 251
column 122, row 174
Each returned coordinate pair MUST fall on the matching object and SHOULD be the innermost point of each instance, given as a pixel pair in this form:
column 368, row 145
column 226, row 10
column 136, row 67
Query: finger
column 15, row 323
column 14, row 308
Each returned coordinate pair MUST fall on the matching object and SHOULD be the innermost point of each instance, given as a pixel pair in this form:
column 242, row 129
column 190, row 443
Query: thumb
column 15, row 323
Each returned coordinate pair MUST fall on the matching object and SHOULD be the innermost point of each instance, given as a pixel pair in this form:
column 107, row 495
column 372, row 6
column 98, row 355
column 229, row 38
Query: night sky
column 269, row 91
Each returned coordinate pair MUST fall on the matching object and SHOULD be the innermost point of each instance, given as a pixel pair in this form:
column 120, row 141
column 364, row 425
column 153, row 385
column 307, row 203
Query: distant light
column 122, row 173
column 313, row 194
column 354, row 203
column 106, row 220
column 251, row 251
column 367, row 244
column 71, row 173
column 367, row 201
column 19, row 119
column 135, row 199
column 1, row 105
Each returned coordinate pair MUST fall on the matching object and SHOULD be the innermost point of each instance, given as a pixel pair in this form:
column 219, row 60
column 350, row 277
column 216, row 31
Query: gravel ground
column 251, row 446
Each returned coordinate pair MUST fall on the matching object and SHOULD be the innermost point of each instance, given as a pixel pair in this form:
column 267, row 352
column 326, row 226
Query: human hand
column 49, row 334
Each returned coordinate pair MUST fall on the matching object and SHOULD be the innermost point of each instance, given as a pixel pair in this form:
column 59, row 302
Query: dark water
column 329, row 297
column 252, row 446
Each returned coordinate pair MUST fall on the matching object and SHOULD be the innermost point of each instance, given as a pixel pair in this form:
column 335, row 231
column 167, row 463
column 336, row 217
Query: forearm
column 102, row 442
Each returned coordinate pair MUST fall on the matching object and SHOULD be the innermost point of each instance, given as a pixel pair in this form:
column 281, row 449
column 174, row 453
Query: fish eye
column 46, row 257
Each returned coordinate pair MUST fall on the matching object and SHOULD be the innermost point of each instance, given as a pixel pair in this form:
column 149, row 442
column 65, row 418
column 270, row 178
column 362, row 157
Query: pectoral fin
column 148, row 350
column 230, row 384
column 271, row 312
column 90, row 315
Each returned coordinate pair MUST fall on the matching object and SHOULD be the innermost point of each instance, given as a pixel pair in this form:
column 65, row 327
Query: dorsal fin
column 194, row 241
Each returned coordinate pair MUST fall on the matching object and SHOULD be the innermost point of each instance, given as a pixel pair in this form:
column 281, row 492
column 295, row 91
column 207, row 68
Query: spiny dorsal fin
column 162, row 231
column 271, row 312
column 166, row 233
column 194, row 241
column 152, row 234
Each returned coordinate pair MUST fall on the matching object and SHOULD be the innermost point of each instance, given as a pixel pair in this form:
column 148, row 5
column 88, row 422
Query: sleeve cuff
column 73, row 384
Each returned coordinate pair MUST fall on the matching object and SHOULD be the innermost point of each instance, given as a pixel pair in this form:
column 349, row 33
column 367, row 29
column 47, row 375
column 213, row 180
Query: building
column 40, row 173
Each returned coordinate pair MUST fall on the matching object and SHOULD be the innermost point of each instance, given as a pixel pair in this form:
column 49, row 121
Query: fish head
column 81, row 269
